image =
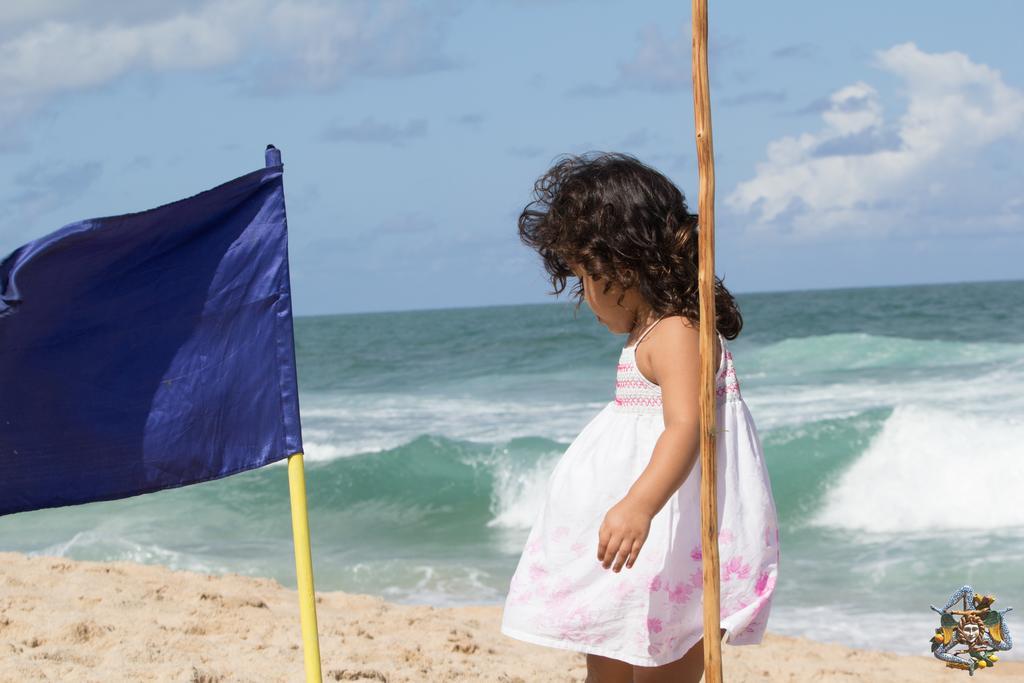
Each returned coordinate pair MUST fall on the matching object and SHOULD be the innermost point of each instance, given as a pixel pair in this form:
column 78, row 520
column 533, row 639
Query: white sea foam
column 845, row 351
column 787, row 404
column 898, row 631
column 94, row 544
column 792, row 382
column 440, row 585
column 345, row 426
column 933, row 469
column 519, row 492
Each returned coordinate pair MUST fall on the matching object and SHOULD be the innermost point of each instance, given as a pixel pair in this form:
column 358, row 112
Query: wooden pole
column 708, row 327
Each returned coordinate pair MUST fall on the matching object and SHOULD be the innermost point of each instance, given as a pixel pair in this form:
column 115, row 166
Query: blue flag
column 150, row 350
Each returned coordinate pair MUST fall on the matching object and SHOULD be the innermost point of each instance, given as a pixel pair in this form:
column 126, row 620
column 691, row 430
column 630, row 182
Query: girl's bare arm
column 672, row 358
column 675, row 367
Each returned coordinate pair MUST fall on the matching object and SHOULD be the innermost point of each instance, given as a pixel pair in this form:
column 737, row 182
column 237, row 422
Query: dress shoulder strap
column 649, row 328
column 721, row 338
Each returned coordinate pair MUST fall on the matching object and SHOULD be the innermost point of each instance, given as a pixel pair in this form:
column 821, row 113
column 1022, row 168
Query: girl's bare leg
column 607, row 670
column 688, row 669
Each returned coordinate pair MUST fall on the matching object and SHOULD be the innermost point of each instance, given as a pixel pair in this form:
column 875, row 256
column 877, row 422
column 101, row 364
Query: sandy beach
column 64, row 620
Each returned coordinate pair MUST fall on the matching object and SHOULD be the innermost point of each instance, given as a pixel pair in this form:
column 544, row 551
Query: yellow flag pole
column 304, row 568
column 706, row 290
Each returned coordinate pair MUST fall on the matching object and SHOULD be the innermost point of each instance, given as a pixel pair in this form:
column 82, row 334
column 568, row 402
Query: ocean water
column 892, row 421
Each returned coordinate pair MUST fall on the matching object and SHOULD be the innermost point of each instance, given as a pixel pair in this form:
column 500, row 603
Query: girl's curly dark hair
column 625, row 223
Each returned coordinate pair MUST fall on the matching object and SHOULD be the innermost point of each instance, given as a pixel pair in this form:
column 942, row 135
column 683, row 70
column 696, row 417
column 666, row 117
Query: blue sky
column 856, row 144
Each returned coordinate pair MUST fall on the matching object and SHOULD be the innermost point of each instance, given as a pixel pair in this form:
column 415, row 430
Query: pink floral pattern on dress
column 560, row 594
column 647, row 614
column 730, row 387
column 681, row 593
column 735, row 567
column 623, row 590
column 765, row 584
column 578, row 625
column 725, row 537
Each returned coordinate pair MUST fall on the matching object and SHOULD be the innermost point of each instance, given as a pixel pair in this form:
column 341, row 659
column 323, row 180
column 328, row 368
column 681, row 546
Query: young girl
column 612, row 565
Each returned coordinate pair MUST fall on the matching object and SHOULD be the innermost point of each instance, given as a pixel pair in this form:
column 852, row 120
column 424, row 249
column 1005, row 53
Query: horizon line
column 736, row 293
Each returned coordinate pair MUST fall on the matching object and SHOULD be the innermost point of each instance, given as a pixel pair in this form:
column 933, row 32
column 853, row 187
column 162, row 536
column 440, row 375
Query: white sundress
column 652, row 613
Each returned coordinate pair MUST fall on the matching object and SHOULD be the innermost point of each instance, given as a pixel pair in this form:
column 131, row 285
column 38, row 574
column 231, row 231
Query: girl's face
column 618, row 318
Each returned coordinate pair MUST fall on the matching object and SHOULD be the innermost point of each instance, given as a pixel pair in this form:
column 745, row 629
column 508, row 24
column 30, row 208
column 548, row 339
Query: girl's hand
column 622, row 534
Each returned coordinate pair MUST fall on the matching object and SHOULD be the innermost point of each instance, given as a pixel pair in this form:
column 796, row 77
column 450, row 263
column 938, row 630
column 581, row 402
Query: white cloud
column 373, row 131
column 59, row 56
column 924, row 171
column 16, row 15
column 42, row 188
column 314, row 44
column 662, row 63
